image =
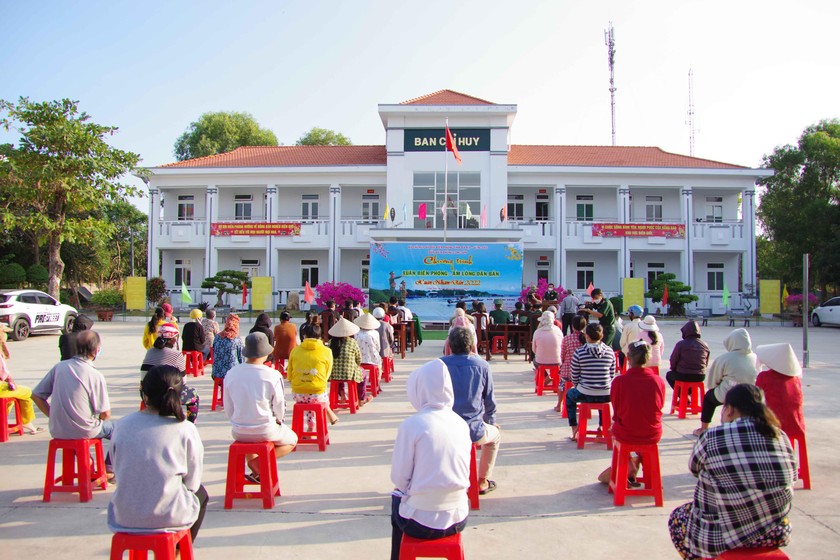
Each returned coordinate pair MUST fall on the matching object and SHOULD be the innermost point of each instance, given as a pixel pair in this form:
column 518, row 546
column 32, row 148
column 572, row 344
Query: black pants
column 566, row 321
column 672, row 377
column 400, row 525
column 710, row 404
column 203, row 498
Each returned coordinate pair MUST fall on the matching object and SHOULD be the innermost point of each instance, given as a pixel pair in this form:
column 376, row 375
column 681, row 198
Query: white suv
column 31, row 311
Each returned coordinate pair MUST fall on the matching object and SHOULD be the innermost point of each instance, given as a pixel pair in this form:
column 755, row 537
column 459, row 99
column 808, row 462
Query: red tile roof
column 608, row 156
column 446, row 97
column 569, row 156
column 290, row 156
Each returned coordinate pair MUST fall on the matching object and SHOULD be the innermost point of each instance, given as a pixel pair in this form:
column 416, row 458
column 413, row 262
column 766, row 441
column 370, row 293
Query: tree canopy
column 219, row 132
column 679, row 294
column 226, row 282
column 58, row 176
column 323, row 137
column 800, row 210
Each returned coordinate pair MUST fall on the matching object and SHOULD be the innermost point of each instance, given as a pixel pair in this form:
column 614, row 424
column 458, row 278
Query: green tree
column 61, row 170
column 800, row 210
column 155, row 290
column 226, row 282
column 38, row 276
column 128, row 222
column 12, row 275
column 323, row 137
column 678, row 293
column 216, row 133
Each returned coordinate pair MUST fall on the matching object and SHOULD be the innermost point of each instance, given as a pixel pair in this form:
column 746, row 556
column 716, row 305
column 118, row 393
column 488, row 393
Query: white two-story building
column 585, row 214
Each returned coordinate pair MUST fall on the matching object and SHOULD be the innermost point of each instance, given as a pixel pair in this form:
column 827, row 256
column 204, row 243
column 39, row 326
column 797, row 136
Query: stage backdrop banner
column 433, row 277
column 634, row 292
column 135, row 292
column 261, row 293
column 670, row 231
column 770, row 296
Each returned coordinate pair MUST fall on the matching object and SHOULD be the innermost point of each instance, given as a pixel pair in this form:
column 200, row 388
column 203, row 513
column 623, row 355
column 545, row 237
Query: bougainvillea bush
column 541, row 288
column 795, row 300
column 338, row 292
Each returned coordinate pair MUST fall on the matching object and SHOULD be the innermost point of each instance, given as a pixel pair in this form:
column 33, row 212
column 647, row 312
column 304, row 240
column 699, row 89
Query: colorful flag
column 421, row 211
column 785, row 295
column 484, row 216
column 590, row 289
column 665, row 296
column 451, row 147
column 387, row 211
column 185, row 295
column 308, row 294
column 725, row 295
column 244, row 293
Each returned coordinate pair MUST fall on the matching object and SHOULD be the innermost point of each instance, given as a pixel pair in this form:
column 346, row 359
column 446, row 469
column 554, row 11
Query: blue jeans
column 400, row 525
column 573, row 396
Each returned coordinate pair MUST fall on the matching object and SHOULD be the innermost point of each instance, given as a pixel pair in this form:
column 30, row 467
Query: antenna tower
column 609, row 40
column 690, row 121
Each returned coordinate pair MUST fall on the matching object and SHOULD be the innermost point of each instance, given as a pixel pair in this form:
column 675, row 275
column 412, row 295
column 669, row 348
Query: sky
column 763, row 70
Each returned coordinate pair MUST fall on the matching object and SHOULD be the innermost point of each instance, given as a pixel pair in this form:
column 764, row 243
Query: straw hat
column 649, row 324
column 779, row 357
column 343, row 328
column 257, row 346
column 378, row 313
column 367, row 322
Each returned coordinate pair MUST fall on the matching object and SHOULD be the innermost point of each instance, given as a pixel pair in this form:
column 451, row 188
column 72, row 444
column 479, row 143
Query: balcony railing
column 192, row 227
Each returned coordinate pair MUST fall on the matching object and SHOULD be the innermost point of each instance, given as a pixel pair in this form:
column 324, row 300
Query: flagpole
column 445, row 180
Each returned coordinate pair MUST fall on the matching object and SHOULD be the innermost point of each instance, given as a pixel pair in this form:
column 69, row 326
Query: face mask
column 98, row 353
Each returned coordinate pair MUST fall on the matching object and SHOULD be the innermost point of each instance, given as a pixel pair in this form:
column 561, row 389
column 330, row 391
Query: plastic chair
column 497, row 345
column 472, row 491
column 753, row 554
column 602, row 433
column 163, row 545
column 7, row 429
column 278, row 365
column 373, row 378
column 540, row 381
column 351, row 400
column 387, row 369
column 685, row 391
column 195, row 363
column 75, row 465
column 450, row 548
column 218, row 393
column 321, row 435
column 236, row 481
column 652, row 478
column 804, row 472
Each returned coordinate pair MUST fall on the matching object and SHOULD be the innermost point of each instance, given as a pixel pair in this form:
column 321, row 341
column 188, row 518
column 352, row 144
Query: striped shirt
column 593, row 368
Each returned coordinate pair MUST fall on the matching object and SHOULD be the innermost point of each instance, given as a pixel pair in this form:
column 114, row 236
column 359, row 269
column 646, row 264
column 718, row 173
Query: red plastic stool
column 450, row 548
column 195, row 363
column 804, row 472
column 540, row 381
column 161, row 544
column 472, row 491
column 351, row 400
column 321, row 435
column 497, row 345
column 278, row 365
column 685, row 390
column 209, row 360
column 602, row 433
column 652, row 478
column 218, row 393
column 373, row 378
column 5, row 428
column 754, row 554
column 387, row 369
column 75, row 465
column 236, row 481
column 563, row 407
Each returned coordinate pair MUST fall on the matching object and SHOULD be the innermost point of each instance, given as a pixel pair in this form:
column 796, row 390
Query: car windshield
column 4, row 298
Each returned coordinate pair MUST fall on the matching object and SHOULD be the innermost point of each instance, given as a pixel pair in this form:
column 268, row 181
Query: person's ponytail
column 748, row 400
column 161, row 388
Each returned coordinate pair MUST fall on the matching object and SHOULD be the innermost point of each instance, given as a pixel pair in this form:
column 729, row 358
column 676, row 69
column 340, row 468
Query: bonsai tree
column 678, row 293
column 226, row 282
column 155, row 290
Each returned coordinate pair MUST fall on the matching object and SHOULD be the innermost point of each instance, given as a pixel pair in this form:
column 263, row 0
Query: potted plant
column 107, row 301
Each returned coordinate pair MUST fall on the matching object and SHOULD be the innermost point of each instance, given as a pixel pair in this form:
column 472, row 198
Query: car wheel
column 20, row 330
column 815, row 320
column 68, row 324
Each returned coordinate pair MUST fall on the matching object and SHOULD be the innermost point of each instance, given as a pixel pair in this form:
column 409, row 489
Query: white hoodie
column 431, row 461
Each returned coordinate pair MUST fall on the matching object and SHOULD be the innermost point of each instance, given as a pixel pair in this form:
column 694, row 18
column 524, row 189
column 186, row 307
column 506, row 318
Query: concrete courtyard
column 336, row 504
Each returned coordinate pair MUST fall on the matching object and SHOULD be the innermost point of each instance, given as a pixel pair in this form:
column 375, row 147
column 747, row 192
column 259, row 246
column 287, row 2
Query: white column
column 153, row 257
column 334, row 260
column 210, row 262
column 687, row 211
column 624, row 217
column 749, row 230
column 560, row 235
column 270, row 213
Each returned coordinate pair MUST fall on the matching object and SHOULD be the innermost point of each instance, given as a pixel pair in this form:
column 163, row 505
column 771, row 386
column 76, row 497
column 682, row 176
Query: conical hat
column 779, row 357
column 367, row 321
column 343, row 328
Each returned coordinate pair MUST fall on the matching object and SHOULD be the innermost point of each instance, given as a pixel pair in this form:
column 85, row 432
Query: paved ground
column 336, row 504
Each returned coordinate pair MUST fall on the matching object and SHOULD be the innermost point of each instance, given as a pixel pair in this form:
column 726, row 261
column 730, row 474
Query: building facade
column 584, row 213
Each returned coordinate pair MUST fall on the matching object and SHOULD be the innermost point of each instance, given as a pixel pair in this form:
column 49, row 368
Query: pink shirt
column 547, row 345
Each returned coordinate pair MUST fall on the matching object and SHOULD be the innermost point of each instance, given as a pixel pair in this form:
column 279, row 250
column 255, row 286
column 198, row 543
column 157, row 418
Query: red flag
column 421, row 211
column 308, row 294
column 590, row 289
column 665, row 296
column 244, row 293
column 484, row 216
column 451, row 147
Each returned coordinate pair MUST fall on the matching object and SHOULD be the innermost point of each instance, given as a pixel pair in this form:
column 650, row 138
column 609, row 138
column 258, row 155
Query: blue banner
column 433, row 277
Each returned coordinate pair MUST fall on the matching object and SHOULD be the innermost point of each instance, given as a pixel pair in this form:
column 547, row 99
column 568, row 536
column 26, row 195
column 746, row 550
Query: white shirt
column 254, row 399
column 408, row 315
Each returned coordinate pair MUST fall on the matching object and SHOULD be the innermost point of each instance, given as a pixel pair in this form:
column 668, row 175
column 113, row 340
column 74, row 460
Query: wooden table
column 400, row 338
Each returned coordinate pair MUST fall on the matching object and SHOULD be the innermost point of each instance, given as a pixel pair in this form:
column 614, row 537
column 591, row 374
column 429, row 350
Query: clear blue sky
column 763, row 70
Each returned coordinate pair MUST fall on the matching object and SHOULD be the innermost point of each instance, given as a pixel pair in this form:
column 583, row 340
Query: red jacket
column 637, row 399
column 783, row 394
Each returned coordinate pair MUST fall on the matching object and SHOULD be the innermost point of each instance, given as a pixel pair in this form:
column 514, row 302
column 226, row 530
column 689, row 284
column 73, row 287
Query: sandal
column 491, row 485
column 253, row 478
column 574, row 435
column 32, row 430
